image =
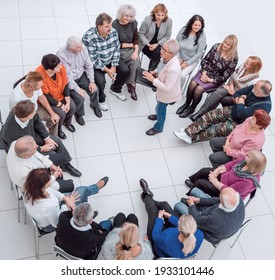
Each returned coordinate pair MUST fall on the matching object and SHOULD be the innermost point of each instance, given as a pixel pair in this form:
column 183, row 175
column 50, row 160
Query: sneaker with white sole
column 119, row 95
column 183, row 136
column 103, row 106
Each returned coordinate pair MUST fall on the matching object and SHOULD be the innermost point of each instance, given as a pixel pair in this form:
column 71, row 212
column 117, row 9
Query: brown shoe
column 152, row 132
column 132, row 91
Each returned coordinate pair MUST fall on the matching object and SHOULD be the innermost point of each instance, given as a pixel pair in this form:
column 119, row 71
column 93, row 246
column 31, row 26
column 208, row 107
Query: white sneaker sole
column 121, row 98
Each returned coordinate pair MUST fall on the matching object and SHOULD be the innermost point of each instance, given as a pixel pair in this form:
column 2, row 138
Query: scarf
column 245, row 174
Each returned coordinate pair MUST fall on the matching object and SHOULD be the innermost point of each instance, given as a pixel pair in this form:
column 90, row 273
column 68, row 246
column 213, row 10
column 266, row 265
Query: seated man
column 220, row 122
column 103, row 46
column 29, row 88
column 78, row 234
column 80, row 72
column 23, row 120
column 56, row 89
column 218, row 217
column 23, row 157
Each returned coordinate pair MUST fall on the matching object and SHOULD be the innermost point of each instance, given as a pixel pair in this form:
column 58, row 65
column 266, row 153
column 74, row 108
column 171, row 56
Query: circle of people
column 55, row 92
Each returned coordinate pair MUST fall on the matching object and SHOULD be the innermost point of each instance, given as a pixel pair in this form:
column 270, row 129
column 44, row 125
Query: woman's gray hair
column 126, row 10
column 72, row 42
column 173, row 46
column 83, row 214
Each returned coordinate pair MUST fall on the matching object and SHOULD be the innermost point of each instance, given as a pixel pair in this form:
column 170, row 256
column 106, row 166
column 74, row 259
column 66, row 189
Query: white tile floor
column 116, row 145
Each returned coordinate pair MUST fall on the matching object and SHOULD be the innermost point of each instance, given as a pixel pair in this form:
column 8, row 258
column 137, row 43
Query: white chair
column 57, row 251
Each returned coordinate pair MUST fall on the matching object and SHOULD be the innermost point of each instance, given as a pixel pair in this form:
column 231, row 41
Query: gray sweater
column 188, row 52
column 215, row 223
column 108, row 249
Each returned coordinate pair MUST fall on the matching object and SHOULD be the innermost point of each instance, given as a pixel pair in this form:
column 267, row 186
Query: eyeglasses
column 164, row 50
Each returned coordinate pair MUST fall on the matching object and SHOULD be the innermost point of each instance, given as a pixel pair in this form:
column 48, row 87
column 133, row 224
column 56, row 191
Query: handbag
column 142, row 81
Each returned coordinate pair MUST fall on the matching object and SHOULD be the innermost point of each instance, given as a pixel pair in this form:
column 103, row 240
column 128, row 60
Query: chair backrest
column 251, row 196
column 1, row 122
column 63, row 254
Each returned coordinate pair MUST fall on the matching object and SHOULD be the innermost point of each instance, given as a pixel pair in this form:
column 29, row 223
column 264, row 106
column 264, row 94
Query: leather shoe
column 105, row 180
column 95, row 214
column 145, row 188
column 69, row 126
column 61, row 135
column 187, row 112
column 182, row 108
column 184, row 200
column 97, row 111
column 189, row 183
column 152, row 132
column 152, row 117
column 132, row 91
column 71, row 170
column 79, row 119
column 194, row 117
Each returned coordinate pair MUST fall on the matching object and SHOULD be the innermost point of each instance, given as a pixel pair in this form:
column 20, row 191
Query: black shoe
column 152, row 132
column 152, row 117
column 188, row 183
column 69, row 126
column 145, row 188
column 184, row 200
column 95, row 214
column 61, row 135
column 79, row 119
column 182, row 108
column 187, row 112
column 71, row 170
column 132, row 91
column 105, row 180
column 194, row 117
column 97, row 111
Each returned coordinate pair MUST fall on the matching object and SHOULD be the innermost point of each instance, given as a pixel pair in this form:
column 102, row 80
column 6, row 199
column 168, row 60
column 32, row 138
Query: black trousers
column 120, row 219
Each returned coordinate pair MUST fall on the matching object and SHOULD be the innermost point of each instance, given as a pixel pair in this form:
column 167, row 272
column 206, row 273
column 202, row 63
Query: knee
column 180, row 208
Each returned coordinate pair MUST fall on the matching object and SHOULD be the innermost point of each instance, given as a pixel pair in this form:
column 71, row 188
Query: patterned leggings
column 217, row 122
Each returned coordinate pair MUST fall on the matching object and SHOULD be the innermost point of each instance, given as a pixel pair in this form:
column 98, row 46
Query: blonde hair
column 257, row 162
column 232, row 52
column 159, row 8
column 128, row 238
column 187, row 226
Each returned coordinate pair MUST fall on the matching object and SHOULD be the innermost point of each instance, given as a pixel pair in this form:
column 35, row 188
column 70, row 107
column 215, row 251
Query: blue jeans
column 181, row 208
column 106, row 224
column 161, row 115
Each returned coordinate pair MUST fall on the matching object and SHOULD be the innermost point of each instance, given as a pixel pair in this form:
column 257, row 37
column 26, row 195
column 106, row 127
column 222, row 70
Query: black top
column 78, row 243
column 155, row 38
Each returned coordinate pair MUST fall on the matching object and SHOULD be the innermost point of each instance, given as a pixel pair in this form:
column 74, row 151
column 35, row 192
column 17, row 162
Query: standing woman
column 126, row 27
column 192, row 41
column 216, row 67
column 154, row 31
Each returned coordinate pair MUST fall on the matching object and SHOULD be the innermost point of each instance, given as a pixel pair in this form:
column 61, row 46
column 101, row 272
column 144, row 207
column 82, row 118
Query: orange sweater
column 53, row 87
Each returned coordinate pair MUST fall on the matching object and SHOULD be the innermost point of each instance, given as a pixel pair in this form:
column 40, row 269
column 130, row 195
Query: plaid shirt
column 102, row 51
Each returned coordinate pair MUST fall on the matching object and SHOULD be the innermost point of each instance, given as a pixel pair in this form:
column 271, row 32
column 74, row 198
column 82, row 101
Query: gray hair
column 230, row 198
column 83, row 214
column 126, row 10
column 266, row 87
column 72, row 42
column 173, row 46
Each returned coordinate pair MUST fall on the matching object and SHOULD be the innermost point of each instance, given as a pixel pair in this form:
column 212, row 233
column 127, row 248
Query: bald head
column 25, row 147
column 230, row 198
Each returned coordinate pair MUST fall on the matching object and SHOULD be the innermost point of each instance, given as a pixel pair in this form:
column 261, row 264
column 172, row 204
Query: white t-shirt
column 19, row 95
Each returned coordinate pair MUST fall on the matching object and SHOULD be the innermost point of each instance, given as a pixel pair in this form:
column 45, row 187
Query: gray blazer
column 147, row 31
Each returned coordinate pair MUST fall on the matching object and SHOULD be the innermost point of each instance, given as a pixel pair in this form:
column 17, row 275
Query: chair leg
column 215, row 248
column 240, row 231
column 36, row 244
column 18, row 210
column 25, row 216
column 11, row 185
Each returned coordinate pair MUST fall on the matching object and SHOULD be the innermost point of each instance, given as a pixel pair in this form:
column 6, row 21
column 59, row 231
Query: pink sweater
column 241, row 185
column 242, row 141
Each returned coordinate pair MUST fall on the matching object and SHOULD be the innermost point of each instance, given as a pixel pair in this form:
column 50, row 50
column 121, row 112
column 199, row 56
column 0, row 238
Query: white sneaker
column 182, row 129
column 103, row 106
column 183, row 136
column 119, row 95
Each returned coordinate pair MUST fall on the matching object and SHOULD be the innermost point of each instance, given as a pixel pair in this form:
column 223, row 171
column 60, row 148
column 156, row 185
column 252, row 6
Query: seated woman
column 123, row 242
column 56, row 89
column 171, row 236
column 245, row 75
column 242, row 175
column 44, row 203
column 154, row 31
column 245, row 137
column 192, row 41
column 126, row 27
column 216, row 67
